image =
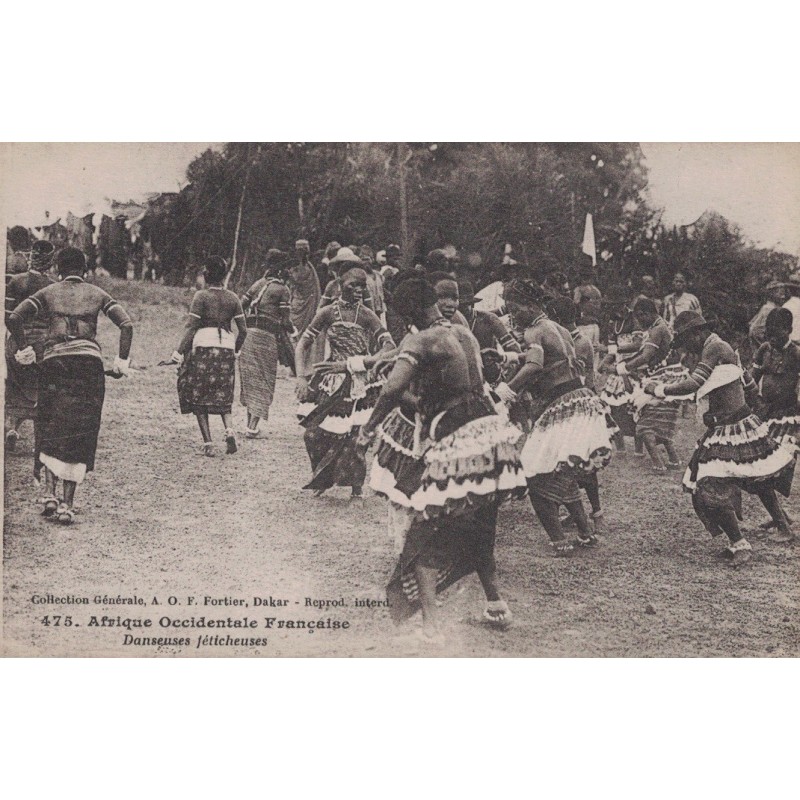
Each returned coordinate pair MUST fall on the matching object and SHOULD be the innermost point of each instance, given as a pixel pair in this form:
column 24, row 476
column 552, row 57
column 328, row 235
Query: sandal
column 675, row 465
column 207, row 449
column 252, row 434
column 230, row 441
column 562, row 549
column 587, row 540
column 498, row 614
column 50, row 505
column 599, row 524
column 64, row 514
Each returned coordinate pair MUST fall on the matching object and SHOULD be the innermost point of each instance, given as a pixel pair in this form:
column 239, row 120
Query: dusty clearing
column 158, row 520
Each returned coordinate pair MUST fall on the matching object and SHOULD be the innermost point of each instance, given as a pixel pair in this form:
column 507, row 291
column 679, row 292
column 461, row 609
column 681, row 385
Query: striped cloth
column 258, row 366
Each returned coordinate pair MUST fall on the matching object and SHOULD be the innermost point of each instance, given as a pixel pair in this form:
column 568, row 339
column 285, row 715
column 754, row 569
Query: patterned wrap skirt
column 69, row 411
column 656, row 416
column 258, row 367
column 736, row 453
column 206, row 381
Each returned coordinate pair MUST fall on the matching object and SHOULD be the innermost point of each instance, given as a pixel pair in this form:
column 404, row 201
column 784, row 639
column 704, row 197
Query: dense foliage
column 477, row 197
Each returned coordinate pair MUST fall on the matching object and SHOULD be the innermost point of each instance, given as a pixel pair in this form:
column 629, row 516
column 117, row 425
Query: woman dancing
column 207, row 355
column 338, row 397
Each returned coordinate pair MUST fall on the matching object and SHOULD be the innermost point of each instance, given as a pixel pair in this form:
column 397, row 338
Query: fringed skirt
column 258, row 366
column 396, row 473
column 70, row 407
column 784, row 428
column 332, row 420
column 453, row 545
column 471, row 460
column 571, row 436
column 737, row 454
column 618, row 393
column 206, row 381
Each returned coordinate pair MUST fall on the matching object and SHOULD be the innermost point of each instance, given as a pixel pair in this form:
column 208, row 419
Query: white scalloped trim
column 771, row 465
column 508, row 480
column 474, row 439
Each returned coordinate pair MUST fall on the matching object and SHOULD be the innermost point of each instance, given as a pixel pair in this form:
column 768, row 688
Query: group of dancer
column 460, row 410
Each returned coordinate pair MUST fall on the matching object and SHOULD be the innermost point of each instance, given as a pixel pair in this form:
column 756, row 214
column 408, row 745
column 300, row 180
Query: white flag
column 588, row 246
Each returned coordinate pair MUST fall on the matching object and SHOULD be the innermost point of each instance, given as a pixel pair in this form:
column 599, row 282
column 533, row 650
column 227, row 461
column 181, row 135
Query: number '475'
column 57, row 621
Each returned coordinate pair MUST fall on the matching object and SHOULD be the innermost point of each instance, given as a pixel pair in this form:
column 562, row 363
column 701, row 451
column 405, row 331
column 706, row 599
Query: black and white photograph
column 408, row 399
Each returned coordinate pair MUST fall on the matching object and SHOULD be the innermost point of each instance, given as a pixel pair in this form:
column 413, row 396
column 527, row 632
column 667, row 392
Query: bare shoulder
column 717, row 351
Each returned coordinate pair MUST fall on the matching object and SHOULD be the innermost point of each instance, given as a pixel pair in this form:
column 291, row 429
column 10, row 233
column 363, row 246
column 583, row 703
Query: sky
column 756, row 186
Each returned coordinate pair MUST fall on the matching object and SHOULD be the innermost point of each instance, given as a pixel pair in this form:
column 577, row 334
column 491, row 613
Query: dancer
column 71, row 378
column 337, row 398
column 570, row 436
column 564, row 312
column 267, row 305
column 736, row 452
column 207, row 354
column 618, row 390
column 467, row 458
column 656, row 420
column 22, row 380
column 776, row 368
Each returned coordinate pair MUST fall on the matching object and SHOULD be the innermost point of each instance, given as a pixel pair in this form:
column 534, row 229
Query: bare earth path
column 158, row 520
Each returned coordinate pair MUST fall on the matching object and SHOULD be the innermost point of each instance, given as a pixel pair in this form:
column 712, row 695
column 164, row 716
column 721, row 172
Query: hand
column 25, row 356
column 650, row 387
column 176, row 357
column 301, row 390
column 512, row 357
column 330, row 367
column 622, row 368
column 121, row 366
column 505, row 393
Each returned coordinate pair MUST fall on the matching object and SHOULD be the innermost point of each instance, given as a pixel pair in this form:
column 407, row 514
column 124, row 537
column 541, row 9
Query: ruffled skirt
column 741, row 451
column 572, row 436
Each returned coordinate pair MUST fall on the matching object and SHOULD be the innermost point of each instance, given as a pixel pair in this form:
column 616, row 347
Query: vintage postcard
column 401, row 399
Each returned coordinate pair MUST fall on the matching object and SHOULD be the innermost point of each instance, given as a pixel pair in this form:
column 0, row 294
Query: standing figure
column 267, row 305
column 22, row 381
column 588, row 300
column 570, row 436
column 736, row 452
column 304, row 286
column 338, row 397
column 467, row 462
column 207, row 354
column 775, row 294
column 71, row 377
column 679, row 301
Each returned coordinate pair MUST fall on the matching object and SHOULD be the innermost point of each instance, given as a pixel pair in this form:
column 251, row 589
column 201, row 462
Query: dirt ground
column 158, row 520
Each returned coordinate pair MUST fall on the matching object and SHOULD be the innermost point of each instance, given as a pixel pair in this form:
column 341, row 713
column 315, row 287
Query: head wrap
column 42, row 254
